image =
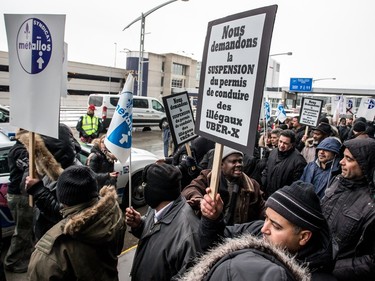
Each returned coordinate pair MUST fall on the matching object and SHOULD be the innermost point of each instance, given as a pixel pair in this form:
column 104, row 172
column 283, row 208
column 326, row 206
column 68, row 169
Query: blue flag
column 267, row 111
column 119, row 135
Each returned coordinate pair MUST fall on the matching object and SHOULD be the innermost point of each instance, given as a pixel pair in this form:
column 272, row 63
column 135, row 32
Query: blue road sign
column 300, row 84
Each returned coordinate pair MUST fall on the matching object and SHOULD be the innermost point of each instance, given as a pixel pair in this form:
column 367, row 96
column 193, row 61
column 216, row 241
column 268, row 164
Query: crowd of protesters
column 301, row 207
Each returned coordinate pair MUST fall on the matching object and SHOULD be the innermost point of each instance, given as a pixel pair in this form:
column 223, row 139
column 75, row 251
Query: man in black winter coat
column 284, row 165
column 349, row 208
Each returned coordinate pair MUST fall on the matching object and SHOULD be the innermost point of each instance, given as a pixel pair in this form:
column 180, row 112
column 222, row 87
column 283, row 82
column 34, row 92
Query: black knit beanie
column 163, row 183
column 299, row 204
column 76, row 185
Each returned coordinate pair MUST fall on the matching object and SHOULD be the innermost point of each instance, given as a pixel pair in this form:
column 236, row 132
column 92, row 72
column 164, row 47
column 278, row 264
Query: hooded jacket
column 84, row 245
column 315, row 174
column 247, row 258
column 349, row 208
column 318, row 255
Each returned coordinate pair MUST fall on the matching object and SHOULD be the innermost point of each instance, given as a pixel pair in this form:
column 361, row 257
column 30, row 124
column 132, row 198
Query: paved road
column 148, row 140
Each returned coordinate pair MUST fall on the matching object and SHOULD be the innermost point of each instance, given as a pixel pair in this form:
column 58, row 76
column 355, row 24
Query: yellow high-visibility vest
column 90, row 124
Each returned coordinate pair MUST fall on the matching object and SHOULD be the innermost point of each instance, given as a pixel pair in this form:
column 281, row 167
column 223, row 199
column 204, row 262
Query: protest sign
column 310, row 111
column 36, row 55
column 180, row 118
column 232, row 77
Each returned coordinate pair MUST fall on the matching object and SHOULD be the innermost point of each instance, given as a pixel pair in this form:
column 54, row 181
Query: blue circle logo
column 34, row 45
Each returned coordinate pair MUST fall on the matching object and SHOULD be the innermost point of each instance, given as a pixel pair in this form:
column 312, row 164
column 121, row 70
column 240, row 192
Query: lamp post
column 142, row 18
column 320, row 79
column 282, row 54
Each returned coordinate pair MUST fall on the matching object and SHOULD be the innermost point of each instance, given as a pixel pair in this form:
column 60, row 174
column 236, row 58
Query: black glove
column 22, row 164
column 187, row 163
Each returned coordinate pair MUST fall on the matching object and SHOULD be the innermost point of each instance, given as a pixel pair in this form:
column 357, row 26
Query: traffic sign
column 300, row 84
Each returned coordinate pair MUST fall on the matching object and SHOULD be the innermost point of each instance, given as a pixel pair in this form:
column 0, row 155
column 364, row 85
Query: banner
column 119, row 135
column 36, row 52
column 280, row 113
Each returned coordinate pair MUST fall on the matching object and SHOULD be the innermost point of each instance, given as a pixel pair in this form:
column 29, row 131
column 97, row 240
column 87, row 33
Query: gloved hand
column 187, row 162
column 22, row 164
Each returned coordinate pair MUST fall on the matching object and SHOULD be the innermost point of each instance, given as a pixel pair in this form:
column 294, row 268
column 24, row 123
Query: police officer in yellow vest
column 89, row 126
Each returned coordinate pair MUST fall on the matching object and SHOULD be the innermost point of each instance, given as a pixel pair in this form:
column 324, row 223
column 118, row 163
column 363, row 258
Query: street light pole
column 320, row 79
column 142, row 18
column 282, row 54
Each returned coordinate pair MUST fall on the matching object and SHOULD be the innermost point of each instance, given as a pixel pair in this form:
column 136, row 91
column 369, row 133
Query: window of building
column 162, row 66
column 179, row 69
column 178, row 83
column 162, row 81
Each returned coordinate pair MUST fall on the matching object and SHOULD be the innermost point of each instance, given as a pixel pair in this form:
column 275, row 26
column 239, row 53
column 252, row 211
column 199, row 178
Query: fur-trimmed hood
column 229, row 248
column 97, row 222
column 51, row 155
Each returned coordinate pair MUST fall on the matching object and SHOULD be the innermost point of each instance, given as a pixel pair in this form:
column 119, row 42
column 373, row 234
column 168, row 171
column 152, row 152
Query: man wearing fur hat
column 168, row 233
column 325, row 167
column 241, row 194
column 85, row 244
column 89, row 126
column 52, row 156
column 349, row 208
column 294, row 223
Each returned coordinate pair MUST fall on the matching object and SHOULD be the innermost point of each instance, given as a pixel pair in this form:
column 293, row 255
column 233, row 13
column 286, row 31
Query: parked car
column 147, row 111
column 140, row 159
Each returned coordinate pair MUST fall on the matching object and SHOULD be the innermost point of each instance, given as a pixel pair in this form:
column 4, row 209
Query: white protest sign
column 36, row 47
column 180, row 117
column 310, row 111
column 367, row 109
column 232, row 77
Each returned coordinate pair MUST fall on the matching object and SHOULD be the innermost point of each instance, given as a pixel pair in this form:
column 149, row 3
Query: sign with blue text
column 300, row 84
column 233, row 72
column 36, row 57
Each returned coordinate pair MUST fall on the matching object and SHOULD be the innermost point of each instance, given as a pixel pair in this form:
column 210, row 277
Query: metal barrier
column 70, row 115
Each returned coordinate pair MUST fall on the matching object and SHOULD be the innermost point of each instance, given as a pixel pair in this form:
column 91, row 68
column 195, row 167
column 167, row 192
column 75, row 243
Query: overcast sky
column 333, row 38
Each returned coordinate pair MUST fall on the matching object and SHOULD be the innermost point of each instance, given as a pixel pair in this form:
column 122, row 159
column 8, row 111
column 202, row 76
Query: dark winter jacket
column 249, row 205
column 320, row 177
column 17, row 152
column 84, row 245
column 318, row 255
column 349, row 208
column 350, row 211
column 168, row 247
column 99, row 163
column 247, row 258
column 283, row 168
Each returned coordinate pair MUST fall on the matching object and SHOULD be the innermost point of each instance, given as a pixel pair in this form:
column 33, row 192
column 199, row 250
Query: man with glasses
column 242, row 196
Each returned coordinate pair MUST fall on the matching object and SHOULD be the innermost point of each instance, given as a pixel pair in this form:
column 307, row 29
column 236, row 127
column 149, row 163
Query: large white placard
column 36, row 44
column 232, row 78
